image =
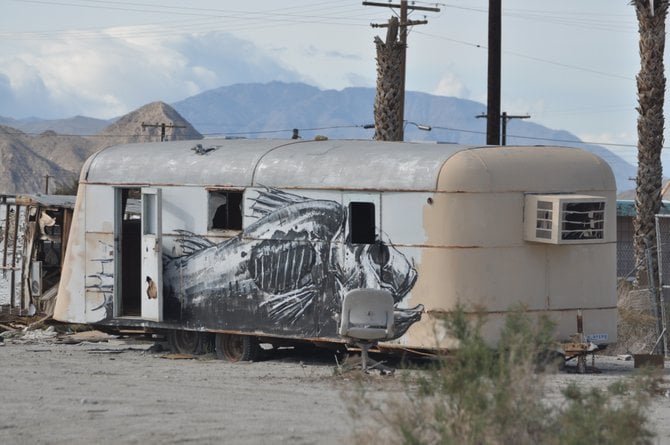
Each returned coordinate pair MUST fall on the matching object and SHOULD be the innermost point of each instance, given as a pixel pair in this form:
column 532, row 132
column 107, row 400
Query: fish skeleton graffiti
column 287, row 272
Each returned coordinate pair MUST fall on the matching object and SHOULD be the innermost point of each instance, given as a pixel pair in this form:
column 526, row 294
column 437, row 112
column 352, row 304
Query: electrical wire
column 332, row 127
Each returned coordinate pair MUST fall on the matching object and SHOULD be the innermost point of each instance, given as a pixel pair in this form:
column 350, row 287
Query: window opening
column 544, row 220
column 225, row 210
column 150, row 217
column 583, row 220
column 362, row 223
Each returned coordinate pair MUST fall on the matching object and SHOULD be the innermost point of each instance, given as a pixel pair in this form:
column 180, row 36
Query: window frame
column 231, row 221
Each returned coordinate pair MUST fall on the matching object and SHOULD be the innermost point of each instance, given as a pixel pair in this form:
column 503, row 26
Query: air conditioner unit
column 564, row 219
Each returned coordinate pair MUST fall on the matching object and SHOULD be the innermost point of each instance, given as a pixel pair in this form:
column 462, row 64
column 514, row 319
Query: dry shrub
column 637, row 330
column 481, row 395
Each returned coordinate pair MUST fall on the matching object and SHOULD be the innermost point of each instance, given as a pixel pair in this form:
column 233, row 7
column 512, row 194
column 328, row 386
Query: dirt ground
column 57, row 390
column 120, row 392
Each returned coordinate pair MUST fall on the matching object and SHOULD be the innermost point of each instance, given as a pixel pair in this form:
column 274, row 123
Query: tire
column 237, row 348
column 186, row 342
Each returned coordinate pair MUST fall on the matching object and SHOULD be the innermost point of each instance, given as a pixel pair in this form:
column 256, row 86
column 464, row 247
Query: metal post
column 403, row 64
column 653, row 289
column 662, row 286
column 504, row 128
column 581, row 358
column 5, row 238
column 13, row 277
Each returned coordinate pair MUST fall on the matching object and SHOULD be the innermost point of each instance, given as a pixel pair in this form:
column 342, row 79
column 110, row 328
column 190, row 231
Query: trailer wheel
column 237, row 348
column 186, row 342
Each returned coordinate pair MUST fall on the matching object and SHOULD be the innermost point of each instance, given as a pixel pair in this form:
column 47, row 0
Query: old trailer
column 258, row 240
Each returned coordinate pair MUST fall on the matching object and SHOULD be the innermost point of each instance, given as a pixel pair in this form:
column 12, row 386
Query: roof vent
column 200, row 150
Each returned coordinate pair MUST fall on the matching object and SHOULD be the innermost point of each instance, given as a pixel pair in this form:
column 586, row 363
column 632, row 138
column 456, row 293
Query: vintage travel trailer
column 258, row 240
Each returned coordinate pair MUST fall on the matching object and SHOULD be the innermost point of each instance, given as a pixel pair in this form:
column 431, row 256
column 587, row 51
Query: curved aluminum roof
column 343, row 164
column 526, row 168
column 347, row 164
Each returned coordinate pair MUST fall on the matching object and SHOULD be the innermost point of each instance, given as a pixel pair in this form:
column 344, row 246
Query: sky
column 570, row 65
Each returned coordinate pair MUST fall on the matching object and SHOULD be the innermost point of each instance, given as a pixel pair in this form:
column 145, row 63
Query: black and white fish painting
column 287, row 271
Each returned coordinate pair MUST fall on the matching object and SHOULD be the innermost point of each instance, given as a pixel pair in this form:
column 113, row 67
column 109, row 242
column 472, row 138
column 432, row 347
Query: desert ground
column 93, row 388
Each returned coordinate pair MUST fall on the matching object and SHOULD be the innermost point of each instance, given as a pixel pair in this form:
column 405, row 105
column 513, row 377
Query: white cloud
column 608, row 138
column 106, row 74
column 451, row 85
column 356, row 80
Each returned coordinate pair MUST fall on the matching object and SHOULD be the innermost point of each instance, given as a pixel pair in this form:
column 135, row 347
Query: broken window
column 362, row 222
column 225, row 210
column 583, row 220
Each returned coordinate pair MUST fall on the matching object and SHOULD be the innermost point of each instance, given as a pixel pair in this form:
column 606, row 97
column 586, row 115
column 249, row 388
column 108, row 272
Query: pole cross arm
column 395, row 5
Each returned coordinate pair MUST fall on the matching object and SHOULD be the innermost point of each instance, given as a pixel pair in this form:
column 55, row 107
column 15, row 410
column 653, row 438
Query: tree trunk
column 388, row 101
column 651, row 16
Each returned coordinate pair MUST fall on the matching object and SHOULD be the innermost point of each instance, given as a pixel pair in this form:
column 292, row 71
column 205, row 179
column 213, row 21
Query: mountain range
column 27, row 159
column 33, row 148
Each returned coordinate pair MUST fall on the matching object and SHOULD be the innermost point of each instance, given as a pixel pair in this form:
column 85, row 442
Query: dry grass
column 637, row 331
column 497, row 396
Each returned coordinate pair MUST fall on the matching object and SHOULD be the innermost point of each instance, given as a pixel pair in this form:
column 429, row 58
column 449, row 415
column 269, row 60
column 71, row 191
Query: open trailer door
column 152, row 262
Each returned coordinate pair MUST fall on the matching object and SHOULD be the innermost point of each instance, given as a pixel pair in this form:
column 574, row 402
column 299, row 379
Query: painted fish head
column 378, row 266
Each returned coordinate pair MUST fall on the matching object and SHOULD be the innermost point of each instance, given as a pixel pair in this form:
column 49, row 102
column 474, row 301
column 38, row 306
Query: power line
column 304, row 16
column 254, row 19
column 333, row 127
column 524, row 56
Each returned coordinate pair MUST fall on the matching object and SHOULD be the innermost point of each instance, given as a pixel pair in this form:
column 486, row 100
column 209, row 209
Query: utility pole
column 402, row 25
column 162, row 126
column 493, row 100
column 504, row 118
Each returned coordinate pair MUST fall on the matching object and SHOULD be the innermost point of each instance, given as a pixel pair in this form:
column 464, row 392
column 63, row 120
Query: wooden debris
column 177, row 356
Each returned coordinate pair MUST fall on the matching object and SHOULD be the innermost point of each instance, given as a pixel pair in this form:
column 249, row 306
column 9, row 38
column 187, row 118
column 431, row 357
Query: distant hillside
column 78, row 125
column 130, row 128
column 22, row 168
column 25, row 159
column 274, row 109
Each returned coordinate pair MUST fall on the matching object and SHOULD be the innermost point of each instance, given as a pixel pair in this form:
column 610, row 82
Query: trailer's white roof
column 341, row 164
column 277, row 163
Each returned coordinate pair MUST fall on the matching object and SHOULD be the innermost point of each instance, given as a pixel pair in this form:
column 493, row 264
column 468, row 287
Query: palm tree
column 651, row 16
column 388, row 101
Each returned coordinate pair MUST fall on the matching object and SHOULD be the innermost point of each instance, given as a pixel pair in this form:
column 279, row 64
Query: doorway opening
column 129, row 253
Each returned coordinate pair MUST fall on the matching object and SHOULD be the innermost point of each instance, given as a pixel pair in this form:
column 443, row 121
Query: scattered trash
column 109, row 351
column 7, row 328
column 91, row 337
column 177, row 356
column 624, row 357
column 156, row 347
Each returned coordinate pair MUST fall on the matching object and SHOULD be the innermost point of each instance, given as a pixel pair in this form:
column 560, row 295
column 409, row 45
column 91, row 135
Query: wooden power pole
column 398, row 117
column 162, row 126
column 493, row 100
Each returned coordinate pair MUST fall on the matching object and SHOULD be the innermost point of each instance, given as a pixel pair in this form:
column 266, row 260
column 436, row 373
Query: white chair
column 367, row 317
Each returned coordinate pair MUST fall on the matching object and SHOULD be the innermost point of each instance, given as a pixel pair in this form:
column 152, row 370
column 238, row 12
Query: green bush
column 483, row 395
